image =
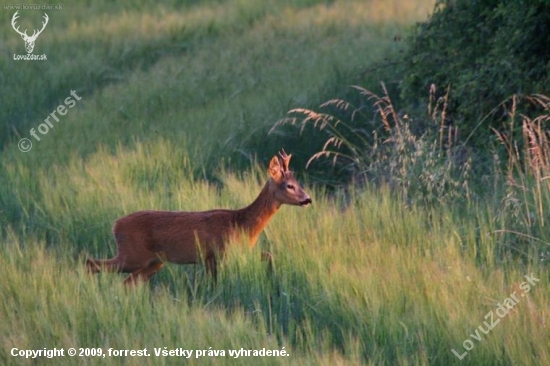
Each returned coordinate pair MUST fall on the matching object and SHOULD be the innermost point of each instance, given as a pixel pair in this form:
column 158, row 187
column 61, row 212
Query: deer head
column 285, row 188
column 29, row 41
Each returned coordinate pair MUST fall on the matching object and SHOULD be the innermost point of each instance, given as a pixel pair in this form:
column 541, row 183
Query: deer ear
column 275, row 168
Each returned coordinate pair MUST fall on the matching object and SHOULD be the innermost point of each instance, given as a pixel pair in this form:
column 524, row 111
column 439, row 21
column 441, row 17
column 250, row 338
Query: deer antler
column 43, row 26
column 13, row 19
column 285, row 158
column 24, row 34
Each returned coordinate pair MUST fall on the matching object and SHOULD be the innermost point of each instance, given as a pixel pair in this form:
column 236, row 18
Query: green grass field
column 176, row 103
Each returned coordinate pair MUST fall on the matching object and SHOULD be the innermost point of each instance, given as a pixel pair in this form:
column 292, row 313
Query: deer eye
column 290, row 187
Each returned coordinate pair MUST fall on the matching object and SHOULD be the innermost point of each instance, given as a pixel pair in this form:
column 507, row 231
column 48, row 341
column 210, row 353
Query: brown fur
column 146, row 239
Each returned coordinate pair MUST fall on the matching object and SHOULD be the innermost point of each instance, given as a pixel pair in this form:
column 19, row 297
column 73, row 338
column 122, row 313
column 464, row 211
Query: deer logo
column 29, row 41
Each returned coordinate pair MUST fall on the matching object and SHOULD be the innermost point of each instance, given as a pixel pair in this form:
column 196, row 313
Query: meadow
column 177, row 101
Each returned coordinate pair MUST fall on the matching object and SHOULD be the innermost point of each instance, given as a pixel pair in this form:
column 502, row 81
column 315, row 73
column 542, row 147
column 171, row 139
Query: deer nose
column 306, row 202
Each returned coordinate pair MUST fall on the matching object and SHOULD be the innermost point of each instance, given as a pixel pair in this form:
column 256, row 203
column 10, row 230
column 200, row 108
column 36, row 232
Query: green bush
column 486, row 51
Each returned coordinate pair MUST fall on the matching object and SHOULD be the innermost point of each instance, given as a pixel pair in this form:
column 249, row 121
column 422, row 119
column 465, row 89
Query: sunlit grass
column 165, row 70
column 370, row 280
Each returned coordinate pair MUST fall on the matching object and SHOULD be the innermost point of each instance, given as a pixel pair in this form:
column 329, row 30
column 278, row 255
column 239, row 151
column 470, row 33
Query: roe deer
column 146, row 239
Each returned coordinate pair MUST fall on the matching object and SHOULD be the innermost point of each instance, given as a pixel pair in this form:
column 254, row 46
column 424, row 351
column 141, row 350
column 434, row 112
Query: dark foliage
column 486, row 51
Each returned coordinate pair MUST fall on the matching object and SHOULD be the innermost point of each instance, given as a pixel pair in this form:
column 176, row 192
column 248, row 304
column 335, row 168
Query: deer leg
column 98, row 265
column 211, row 266
column 143, row 274
column 268, row 257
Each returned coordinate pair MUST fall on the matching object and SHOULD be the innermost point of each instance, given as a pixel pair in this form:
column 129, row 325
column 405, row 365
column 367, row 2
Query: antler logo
column 29, row 41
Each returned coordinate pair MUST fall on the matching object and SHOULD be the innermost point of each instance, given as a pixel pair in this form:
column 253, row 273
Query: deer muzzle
column 306, row 202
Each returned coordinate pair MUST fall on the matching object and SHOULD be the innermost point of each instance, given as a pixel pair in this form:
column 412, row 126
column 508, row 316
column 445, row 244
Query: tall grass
column 368, row 281
column 421, row 158
column 424, row 160
column 523, row 215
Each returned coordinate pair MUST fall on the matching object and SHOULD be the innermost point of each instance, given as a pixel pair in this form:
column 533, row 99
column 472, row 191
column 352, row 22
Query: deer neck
column 256, row 216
